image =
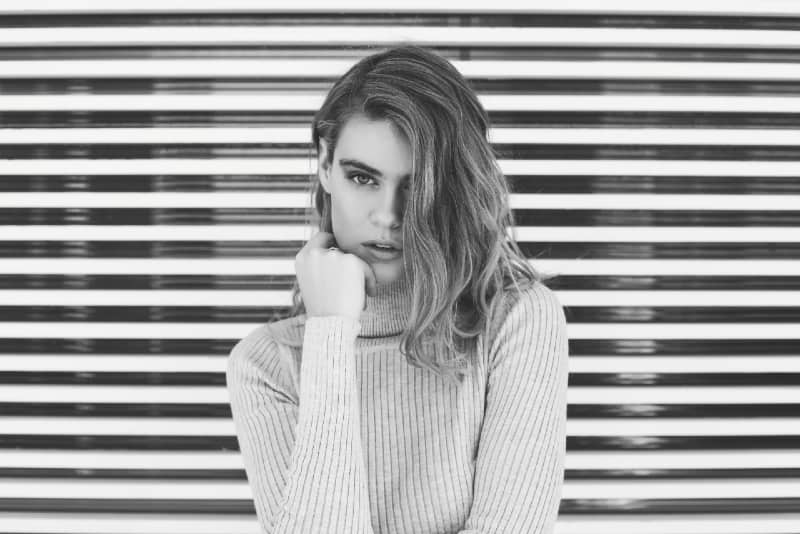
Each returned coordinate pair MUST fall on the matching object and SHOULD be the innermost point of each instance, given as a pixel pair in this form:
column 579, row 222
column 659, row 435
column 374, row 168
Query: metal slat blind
column 153, row 177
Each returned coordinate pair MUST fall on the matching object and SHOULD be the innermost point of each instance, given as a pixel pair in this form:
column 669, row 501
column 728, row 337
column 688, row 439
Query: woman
column 419, row 383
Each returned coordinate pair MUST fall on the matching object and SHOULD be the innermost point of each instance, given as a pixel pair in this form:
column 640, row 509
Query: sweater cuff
column 335, row 332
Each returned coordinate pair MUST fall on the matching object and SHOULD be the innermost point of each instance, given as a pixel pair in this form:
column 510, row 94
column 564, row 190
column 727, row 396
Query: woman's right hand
column 332, row 282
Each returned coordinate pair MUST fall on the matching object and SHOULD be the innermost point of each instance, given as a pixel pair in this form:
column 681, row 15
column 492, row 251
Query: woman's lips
column 383, row 254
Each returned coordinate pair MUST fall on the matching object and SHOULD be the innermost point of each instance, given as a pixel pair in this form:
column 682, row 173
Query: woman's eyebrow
column 364, row 166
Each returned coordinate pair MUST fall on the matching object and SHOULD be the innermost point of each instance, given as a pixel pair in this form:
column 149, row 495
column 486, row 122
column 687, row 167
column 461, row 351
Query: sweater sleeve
column 303, row 459
column 520, row 463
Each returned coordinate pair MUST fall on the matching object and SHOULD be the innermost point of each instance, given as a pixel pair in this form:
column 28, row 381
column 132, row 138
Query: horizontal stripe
column 470, row 69
column 382, row 35
column 512, row 151
column 301, row 201
column 608, row 330
column 73, row 230
column 144, row 461
column 186, row 520
column 227, row 249
column 116, row 394
column 661, row 288
column 257, row 266
column 141, row 461
column 165, row 426
column 746, row 303
column 520, row 184
column 493, row 103
column 292, row 223
column 171, row 364
column 161, row 363
column 297, row 166
column 577, row 394
column 521, row 136
column 699, row 7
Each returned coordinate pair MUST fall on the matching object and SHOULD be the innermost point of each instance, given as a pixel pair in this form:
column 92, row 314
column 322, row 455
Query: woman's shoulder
column 533, row 316
column 534, row 301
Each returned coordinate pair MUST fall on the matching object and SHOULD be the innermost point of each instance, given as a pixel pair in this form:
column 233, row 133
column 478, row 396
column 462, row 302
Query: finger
column 321, row 240
column 369, row 277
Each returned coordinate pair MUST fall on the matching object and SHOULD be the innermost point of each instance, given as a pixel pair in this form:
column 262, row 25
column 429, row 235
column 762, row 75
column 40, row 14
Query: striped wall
column 154, row 164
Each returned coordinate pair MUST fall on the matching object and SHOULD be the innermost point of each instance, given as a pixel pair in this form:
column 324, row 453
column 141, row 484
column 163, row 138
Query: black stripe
column 505, row 52
column 522, row 217
column 574, row 411
column 301, row 118
column 222, row 151
column 279, row 282
column 449, row 18
column 681, row 506
column 531, row 184
column 237, row 314
column 286, row 249
column 507, row 85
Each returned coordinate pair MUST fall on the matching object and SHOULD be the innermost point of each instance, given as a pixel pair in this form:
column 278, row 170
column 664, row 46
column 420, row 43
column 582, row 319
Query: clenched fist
column 332, row 282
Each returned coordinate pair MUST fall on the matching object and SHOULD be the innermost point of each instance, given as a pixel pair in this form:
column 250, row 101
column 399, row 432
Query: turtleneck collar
column 388, row 311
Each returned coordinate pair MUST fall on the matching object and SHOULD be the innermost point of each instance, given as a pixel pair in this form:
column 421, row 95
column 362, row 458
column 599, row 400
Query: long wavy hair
column 459, row 260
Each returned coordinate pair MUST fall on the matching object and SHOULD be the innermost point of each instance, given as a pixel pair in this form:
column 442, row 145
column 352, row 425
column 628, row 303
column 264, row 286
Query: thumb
column 370, row 280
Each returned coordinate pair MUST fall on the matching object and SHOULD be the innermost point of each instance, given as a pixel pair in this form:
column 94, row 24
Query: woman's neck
column 387, row 312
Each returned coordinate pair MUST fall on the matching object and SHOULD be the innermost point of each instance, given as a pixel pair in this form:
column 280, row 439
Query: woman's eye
column 353, row 177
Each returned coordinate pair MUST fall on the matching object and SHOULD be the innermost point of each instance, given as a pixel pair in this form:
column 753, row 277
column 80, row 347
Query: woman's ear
column 323, row 169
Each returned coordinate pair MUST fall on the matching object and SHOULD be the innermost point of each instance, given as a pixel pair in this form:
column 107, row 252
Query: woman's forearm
column 326, row 488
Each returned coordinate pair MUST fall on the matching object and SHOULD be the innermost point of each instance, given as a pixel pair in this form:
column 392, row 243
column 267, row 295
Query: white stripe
column 115, row 394
column 288, row 101
column 648, row 459
column 131, row 523
column 377, row 35
column 250, row 266
column 612, row 234
column 161, row 297
column 200, row 297
column 683, row 395
column 743, row 7
column 616, row 136
column 662, row 426
column 180, row 68
column 683, row 489
column 577, row 364
column 266, row 231
column 118, row 426
column 157, row 135
column 165, row 200
column 238, row 489
column 688, row 459
column 662, row 267
column 709, row 202
column 649, row 167
column 179, row 426
column 55, row 488
column 694, row 363
column 576, row 394
column 120, row 459
column 307, row 167
column 670, row 523
column 210, row 266
column 678, row 298
column 118, row 363
column 644, row 136
column 180, row 330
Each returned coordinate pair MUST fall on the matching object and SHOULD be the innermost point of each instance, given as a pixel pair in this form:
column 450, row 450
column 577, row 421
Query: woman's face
column 368, row 181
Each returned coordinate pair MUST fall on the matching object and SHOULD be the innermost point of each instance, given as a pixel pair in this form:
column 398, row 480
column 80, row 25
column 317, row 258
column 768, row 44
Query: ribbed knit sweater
column 339, row 434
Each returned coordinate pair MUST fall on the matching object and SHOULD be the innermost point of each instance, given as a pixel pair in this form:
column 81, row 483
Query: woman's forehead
column 375, row 147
